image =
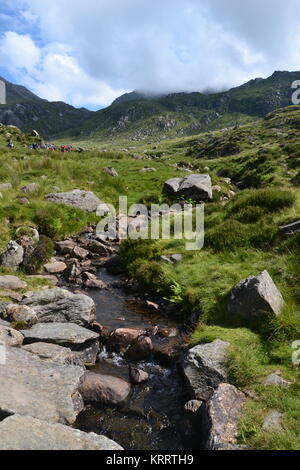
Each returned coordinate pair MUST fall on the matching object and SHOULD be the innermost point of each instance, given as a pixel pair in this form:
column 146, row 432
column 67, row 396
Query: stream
column 153, row 416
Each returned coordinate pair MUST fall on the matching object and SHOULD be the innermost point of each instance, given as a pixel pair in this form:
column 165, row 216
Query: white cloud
column 93, row 50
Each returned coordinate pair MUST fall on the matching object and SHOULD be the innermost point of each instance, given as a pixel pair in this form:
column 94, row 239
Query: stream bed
column 153, row 416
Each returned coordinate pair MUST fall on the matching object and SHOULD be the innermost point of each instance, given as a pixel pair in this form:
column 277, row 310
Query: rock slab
column 27, row 433
column 47, row 391
column 60, row 305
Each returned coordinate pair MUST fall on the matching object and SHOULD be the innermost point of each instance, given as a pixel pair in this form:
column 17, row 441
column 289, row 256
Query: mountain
column 136, row 117
column 141, row 115
column 27, row 111
column 137, row 95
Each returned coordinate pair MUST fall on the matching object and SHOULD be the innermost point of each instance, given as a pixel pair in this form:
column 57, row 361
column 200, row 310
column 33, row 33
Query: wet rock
column 100, row 388
column 73, row 271
column 21, row 314
column 290, row 229
column 109, row 170
column 55, row 267
column 13, row 257
column 36, row 388
column 273, row 421
column 59, row 305
column 63, row 334
column 27, row 433
column 5, row 186
column 95, row 284
column 152, row 305
column 127, row 336
column 12, row 283
column 275, row 379
column 138, row 376
column 140, row 349
column 10, row 337
column 254, row 297
column 51, row 352
column 204, row 368
column 196, row 187
column 30, row 188
column 222, row 415
column 84, row 200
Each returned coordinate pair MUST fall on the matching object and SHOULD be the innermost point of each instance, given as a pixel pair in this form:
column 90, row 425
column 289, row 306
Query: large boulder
column 32, row 387
column 204, row 368
column 64, row 334
column 101, row 388
column 13, row 256
column 254, row 297
column 222, row 415
column 60, row 305
column 27, row 433
column 196, row 187
column 85, row 200
column 10, row 337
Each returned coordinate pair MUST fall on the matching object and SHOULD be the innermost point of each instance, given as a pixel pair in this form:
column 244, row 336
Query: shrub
column 228, row 235
column 269, row 199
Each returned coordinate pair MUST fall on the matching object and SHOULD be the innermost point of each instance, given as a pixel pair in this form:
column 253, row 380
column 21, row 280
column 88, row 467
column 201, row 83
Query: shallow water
column 152, row 418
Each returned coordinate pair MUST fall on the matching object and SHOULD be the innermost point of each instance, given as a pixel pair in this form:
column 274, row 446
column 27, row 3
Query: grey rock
column 52, row 352
column 84, row 200
column 100, row 388
column 31, row 188
column 204, row 368
column 27, row 433
column 109, row 170
column 147, row 170
column 47, row 391
column 222, row 415
column 10, row 337
column 196, row 187
column 254, row 297
column 11, row 283
column 59, row 305
column 64, row 334
column 138, row 376
column 273, row 421
column 276, row 380
column 13, row 257
column 22, row 314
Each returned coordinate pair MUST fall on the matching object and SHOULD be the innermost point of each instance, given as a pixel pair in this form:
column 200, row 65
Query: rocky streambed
column 99, row 365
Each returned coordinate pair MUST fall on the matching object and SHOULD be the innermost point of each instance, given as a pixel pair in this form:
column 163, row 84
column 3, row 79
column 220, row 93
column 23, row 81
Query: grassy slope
column 241, row 239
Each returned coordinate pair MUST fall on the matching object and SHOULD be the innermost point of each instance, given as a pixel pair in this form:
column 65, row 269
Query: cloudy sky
column 89, row 52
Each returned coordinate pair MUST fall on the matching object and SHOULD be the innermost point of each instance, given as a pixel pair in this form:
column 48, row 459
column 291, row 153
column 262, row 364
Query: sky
column 87, row 53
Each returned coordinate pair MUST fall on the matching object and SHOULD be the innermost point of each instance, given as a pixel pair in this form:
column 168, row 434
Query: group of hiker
column 38, row 146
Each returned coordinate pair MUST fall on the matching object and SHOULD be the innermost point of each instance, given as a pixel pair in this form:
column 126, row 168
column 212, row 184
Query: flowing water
column 152, row 418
